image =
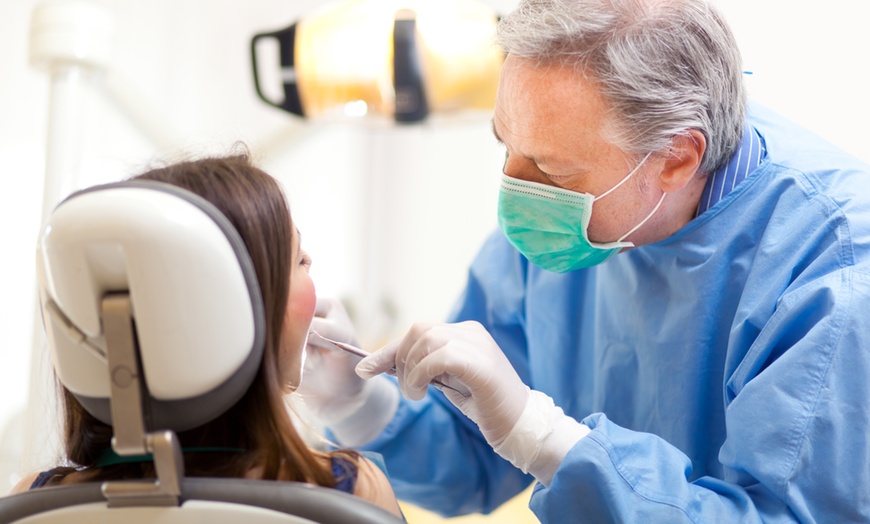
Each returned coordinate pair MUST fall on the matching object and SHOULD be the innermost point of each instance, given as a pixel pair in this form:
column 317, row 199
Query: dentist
column 672, row 323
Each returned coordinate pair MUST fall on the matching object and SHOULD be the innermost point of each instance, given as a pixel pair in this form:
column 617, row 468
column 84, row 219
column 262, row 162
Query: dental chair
column 155, row 323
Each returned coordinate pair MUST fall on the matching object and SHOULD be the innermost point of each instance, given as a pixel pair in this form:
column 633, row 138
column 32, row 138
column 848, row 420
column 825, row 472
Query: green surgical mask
column 548, row 224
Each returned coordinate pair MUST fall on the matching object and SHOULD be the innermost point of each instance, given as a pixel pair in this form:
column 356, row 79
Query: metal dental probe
column 363, row 353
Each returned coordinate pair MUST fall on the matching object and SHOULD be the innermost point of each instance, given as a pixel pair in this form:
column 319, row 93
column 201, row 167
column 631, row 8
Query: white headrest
column 196, row 303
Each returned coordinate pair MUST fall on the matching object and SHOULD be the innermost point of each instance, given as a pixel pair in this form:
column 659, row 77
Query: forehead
column 548, row 107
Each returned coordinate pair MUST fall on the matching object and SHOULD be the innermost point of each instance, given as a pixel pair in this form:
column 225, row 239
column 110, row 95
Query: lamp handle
column 292, row 103
column 411, row 103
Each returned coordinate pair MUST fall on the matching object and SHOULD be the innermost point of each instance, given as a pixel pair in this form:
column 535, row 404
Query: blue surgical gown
column 724, row 371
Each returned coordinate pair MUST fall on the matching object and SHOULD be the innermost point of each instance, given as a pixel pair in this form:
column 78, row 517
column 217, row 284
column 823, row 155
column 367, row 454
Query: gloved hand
column 522, row 425
column 328, row 379
column 465, row 357
column 355, row 409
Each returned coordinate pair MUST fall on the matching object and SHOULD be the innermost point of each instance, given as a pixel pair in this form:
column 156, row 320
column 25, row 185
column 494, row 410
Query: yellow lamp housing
column 400, row 59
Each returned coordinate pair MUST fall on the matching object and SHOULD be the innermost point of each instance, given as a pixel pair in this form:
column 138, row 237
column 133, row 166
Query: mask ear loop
column 633, row 171
column 642, row 222
column 653, row 212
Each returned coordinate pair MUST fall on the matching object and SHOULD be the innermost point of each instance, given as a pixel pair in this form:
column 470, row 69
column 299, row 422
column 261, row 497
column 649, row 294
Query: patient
column 256, row 438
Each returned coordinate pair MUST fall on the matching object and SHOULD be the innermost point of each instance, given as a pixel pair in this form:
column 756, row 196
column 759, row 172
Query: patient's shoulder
column 56, row 476
column 24, row 484
column 374, row 486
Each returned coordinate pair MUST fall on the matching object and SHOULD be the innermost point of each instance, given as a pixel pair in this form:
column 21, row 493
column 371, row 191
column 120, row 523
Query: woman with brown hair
column 256, row 437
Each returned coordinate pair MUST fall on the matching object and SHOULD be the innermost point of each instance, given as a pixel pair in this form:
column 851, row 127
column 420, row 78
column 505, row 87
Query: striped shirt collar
column 742, row 163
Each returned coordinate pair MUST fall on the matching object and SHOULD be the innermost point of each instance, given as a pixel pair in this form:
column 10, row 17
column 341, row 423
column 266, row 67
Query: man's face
column 552, row 122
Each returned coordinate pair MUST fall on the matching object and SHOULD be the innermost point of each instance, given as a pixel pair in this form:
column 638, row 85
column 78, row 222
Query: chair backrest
column 189, row 280
column 155, row 324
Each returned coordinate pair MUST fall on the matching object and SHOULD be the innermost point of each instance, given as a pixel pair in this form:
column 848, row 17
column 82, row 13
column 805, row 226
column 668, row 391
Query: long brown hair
column 259, row 423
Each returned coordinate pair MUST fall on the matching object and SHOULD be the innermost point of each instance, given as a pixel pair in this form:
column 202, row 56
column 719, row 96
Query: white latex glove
column 522, row 425
column 465, row 357
column 355, row 409
column 328, row 379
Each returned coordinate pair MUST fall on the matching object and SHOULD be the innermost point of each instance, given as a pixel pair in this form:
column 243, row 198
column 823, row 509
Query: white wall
column 182, row 70
column 811, row 62
column 183, row 66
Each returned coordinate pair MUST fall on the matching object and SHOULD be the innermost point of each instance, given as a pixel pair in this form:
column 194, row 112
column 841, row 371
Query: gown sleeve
column 796, row 421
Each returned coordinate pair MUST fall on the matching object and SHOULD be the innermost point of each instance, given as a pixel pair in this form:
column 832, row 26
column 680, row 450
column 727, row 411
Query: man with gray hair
column 671, row 325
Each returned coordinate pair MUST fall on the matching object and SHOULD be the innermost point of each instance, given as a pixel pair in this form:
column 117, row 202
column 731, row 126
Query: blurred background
column 392, row 214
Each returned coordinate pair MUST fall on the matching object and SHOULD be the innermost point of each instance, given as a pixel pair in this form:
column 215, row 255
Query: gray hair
column 664, row 66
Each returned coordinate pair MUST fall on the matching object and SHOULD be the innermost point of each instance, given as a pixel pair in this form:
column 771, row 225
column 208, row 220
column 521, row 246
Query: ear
column 683, row 160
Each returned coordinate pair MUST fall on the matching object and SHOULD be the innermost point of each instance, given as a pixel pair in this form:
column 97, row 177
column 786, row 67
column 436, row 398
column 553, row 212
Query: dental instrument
column 363, row 353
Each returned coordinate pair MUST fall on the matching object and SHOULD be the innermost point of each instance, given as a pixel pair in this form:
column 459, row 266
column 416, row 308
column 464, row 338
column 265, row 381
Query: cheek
column 303, row 300
column 300, row 311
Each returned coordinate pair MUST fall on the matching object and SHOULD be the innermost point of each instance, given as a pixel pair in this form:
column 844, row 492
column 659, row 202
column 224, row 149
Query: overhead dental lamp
column 400, row 59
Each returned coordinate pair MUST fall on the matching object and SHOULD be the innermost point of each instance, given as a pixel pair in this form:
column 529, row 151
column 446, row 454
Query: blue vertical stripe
column 725, row 179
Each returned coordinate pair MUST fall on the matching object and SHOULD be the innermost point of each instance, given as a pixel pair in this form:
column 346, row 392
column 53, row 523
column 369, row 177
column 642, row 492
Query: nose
column 516, row 166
